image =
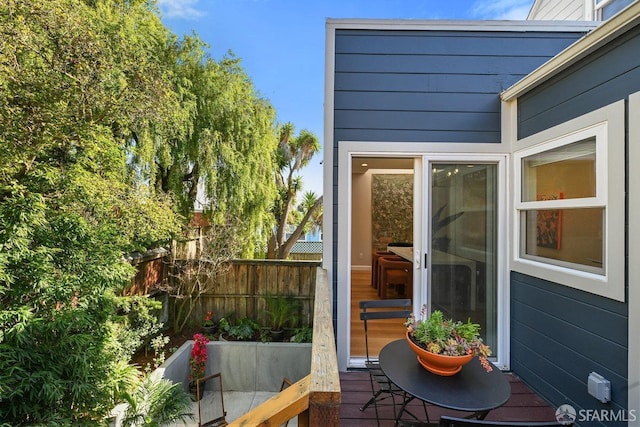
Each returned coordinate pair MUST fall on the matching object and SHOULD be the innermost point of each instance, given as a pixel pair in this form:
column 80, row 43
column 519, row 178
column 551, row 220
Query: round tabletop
column 471, row 390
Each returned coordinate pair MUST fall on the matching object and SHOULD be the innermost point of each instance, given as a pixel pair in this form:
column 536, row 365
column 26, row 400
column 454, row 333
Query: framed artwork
column 549, row 224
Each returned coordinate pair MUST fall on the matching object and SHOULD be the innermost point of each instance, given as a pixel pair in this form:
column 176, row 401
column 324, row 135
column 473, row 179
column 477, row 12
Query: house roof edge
column 456, row 25
column 605, row 32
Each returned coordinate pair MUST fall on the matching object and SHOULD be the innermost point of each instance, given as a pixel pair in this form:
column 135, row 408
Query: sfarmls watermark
column 567, row 414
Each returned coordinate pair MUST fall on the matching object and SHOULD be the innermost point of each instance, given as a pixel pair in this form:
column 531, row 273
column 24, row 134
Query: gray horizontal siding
column 605, row 77
column 423, row 82
column 452, row 43
column 421, row 135
column 441, row 64
column 593, row 334
column 431, row 86
column 559, row 335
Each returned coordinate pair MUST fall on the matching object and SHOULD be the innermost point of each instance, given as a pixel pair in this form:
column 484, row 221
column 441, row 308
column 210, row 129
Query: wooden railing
column 315, row 399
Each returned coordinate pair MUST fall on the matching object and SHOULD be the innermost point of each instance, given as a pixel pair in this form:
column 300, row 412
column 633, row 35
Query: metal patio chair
column 220, row 417
column 382, row 388
column 446, row 421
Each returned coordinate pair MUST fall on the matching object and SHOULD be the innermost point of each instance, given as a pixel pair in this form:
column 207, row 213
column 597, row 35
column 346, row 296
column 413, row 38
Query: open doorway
column 445, row 209
column 382, row 213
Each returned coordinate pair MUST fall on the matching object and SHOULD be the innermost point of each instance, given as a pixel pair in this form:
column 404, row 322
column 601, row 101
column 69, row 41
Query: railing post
column 324, row 394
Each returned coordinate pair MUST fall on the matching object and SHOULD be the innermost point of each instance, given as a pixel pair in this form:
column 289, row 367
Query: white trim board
column 457, row 25
column 634, row 257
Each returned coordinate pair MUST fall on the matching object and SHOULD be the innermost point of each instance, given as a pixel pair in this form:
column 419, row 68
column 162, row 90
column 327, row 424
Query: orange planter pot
column 439, row 364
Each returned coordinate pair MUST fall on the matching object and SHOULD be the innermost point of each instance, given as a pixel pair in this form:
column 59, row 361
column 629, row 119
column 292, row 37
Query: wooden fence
column 242, row 290
column 315, row 399
column 151, row 272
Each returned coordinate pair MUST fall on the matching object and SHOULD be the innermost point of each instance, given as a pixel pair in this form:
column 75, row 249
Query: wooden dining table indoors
column 472, row 390
column 443, row 258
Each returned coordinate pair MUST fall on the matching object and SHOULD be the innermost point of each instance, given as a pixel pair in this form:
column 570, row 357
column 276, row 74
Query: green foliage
column 293, row 154
column 107, row 123
column 283, row 311
column 244, row 329
column 73, row 78
column 225, row 142
column 433, row 329
column 303, row 334
column 123, row 380
column 448, row 337
column 135, row 324
column 157, row 402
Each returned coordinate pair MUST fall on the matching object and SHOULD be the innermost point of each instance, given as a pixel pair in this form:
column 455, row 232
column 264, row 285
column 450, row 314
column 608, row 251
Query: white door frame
column 634, row 258
column 470, row 152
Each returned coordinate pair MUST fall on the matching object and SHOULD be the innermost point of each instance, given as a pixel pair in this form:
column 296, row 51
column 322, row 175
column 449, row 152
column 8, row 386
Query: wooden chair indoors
column 375, row 266
column 396, row 273
column 382, row 389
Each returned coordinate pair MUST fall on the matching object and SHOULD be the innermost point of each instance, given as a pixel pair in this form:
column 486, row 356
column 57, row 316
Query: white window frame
column 598, row 8
column 607, row 125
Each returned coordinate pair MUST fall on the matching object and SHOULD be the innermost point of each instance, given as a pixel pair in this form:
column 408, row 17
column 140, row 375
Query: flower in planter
column 208, row 320
column 198, row 360
column 445, row 336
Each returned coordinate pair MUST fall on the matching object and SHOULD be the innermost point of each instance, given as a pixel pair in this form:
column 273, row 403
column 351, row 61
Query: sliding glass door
column 463, row 255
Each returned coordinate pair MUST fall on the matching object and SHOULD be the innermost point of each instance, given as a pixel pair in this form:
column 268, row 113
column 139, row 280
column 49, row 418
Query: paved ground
column 236, row 403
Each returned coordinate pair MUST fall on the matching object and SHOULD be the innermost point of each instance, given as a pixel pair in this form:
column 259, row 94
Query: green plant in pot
column 453, row 342
column 244, row 329
column 282, row 311
column 209, row 324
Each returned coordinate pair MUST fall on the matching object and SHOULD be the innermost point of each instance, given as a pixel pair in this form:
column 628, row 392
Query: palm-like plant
column 156, row 402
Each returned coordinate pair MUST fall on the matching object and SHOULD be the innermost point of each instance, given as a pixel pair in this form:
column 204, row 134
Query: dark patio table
column 471, row 390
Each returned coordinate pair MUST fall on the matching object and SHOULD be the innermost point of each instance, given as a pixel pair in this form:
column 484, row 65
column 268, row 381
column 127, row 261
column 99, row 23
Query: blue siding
column 559, row 335
column 428, row 86
column 591, row 322
column 431, row 86
column 608, row 76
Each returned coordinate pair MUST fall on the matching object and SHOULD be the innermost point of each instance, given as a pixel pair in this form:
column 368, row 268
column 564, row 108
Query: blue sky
column 282, row 42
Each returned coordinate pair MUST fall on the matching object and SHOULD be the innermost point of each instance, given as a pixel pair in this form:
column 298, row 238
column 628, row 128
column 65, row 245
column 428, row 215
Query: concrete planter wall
column 245, row 366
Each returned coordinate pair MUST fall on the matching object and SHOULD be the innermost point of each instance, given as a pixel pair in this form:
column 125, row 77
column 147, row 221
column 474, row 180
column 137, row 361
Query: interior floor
column 382, row 331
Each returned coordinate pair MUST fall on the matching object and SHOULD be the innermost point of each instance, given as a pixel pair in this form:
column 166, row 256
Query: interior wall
column 361, row 221
column 361, row 235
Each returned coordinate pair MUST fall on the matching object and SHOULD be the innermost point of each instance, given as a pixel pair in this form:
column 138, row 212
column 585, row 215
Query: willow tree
column 293, row 154
column 75, row 77
column 223, row 152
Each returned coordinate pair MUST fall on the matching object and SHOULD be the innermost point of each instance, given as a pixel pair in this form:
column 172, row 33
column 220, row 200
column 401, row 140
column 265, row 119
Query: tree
column 294, row 153
column 223, row 151
column 108, row 124
column 72, row 77
column 220, row 244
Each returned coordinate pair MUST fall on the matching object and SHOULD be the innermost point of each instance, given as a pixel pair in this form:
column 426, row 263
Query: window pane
column 567, row 172
column 614, row 7
column 567, row 236
column 464, row 247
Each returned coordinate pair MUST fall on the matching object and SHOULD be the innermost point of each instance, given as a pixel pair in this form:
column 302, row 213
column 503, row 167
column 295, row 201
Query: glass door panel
column 463, row 256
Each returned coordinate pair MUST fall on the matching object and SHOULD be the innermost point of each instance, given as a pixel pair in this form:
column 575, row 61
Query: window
column 562, row 176
column 569, row 203
column 605, row 9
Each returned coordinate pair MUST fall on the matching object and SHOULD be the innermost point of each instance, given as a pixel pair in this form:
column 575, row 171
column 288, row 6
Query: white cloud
column 502, row 9
column 185, row 9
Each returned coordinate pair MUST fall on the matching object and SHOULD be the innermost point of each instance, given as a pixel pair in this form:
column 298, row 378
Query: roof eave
column 605, row 32
column 456, row 25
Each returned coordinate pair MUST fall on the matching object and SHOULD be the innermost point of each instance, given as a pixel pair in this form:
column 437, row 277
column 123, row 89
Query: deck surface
column 524, row 405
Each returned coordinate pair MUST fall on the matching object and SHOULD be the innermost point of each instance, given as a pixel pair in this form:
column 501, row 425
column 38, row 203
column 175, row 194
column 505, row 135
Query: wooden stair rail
column 315, row 399
column 277, row 410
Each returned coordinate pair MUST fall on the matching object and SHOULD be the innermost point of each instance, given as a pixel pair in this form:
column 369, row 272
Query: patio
column 524, row 404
